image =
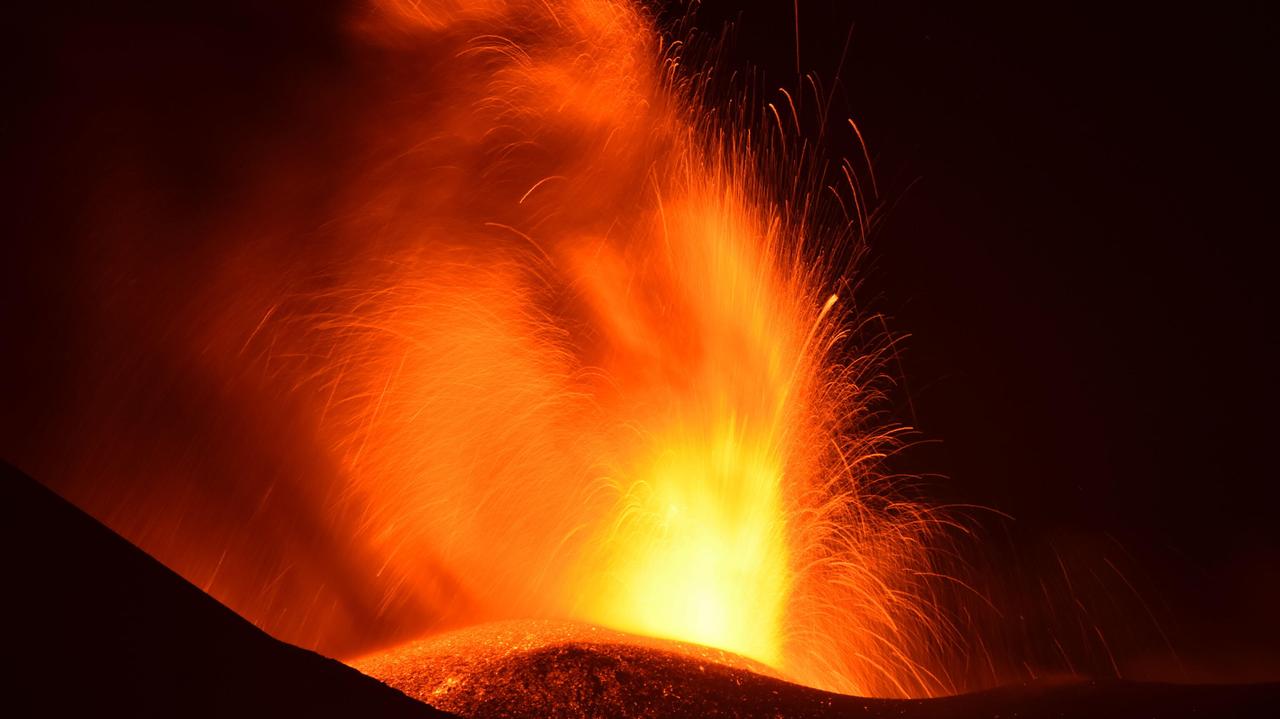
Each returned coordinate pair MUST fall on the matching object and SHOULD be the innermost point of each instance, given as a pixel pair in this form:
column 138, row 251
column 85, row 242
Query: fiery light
column 563, row 343
column 603, row 379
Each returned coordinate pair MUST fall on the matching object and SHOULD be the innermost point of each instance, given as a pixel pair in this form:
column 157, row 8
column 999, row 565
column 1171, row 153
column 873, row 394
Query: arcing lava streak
column 559, row 341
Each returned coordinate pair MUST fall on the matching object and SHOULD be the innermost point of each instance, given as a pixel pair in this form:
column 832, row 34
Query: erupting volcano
column 526, row 326
column 523, row 338
column 587, row 355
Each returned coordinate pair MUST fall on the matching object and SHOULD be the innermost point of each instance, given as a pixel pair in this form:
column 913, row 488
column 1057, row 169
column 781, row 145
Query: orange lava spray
column 600, row 375
column 525, row 328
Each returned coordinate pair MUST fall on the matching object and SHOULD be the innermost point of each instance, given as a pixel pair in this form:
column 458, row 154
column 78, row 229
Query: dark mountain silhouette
column 95, row 626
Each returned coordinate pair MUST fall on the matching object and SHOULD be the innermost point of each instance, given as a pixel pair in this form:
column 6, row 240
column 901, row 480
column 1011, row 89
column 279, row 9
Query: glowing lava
column 604, row 380
column 545, row 337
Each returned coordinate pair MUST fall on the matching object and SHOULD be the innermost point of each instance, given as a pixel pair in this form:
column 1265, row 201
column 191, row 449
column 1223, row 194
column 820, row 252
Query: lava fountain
column 563, row 342
column 602, row 375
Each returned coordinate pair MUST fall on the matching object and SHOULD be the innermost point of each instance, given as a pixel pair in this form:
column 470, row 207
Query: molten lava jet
column 504, row 320
column 600, row 373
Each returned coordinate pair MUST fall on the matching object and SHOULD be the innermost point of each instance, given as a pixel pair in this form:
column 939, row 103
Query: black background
column 1077, row 238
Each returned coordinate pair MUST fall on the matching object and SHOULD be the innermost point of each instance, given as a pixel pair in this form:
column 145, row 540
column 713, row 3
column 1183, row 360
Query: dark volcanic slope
column 96, row 627
column 560, row 669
